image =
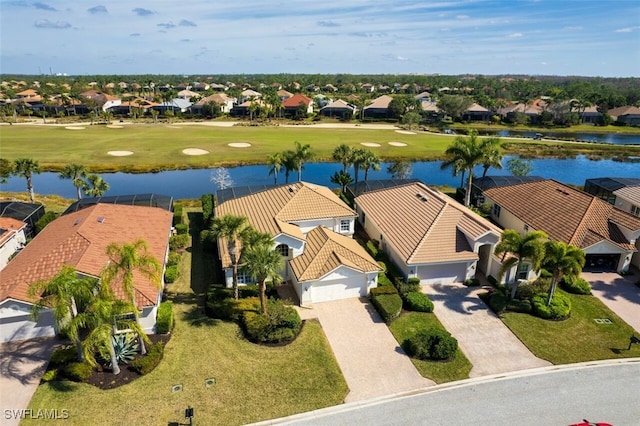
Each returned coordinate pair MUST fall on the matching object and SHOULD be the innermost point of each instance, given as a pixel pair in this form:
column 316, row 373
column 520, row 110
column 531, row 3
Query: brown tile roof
column 295, row 100
column 8, row 228
column 424, row 225
column 630, row 193
column 380, row 102
column 624, row 110
column 219, row 98
column 565, row 213
column 325, row 251
column 274, row 210
column 80, row 239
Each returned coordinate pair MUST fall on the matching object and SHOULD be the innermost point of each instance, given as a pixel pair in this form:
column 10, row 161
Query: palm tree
column 75, row 172
column 26, row 167
column 492, row 155
column 62, row 294
column 358, row 158
column 124, row 260
column 274, row 163
column 290, row 163
column 98, row 186
column 529, row 247
column 342, row 153
column 303, row 153
column 465, row 154
column 561, row 259
column 262, row 262
column 6, row 170
column 370, row 161
column 250, row 236
column 342, row 178
column 230, row 227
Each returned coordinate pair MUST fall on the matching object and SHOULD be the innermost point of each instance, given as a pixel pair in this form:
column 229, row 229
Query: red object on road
column 588, row 423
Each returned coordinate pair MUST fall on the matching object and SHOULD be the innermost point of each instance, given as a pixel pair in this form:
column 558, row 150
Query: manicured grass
column 578, row 338
column 159, row 147
column 252, row 382
column 410, row 323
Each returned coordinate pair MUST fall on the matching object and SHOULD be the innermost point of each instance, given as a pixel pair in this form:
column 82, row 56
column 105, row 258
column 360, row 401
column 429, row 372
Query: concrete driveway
column 619, row 293
column 489, row 344
column 371, row 360
column 21, row 367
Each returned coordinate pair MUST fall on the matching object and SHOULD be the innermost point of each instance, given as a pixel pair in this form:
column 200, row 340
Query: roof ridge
column 580, row 229
column 337, row 201
column 426, row 234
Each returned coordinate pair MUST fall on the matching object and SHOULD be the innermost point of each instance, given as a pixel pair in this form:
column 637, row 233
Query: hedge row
column 207, row 209
column 171, row 274
column 418, row 301
column 147, row 363
column 177, row 214
column 164, row 319
column 559, row 309
column 575, row 285
column 388, row 305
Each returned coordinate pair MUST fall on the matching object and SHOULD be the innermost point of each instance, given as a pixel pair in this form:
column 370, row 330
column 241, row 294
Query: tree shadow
column 205, row 265
column 26, row 361
column 459, row 299
column 613, row 286
column 62, row 386
column 196, row 317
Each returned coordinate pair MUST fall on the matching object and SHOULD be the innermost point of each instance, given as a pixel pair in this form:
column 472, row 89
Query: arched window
column 283, row 249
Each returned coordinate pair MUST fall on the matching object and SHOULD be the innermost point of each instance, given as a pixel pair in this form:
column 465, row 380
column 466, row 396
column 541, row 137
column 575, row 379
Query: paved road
column 489, row 344
column 599, row 392
column 372, row 362
column 620, row 294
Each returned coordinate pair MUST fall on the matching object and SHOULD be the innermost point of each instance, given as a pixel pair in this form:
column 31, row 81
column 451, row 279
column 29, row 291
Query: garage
column 446, row 273
column 601, row 262
column 334, row 290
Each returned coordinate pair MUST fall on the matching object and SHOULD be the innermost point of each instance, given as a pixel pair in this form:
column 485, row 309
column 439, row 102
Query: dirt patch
column 372, row 144
column 405, row 132
column 120, row 153
column 240, row 144
column 195, row 151
column 397, row 144
column 75, row 128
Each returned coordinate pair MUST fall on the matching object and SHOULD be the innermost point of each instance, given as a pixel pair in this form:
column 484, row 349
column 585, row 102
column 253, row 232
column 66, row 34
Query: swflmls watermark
column 40, row 414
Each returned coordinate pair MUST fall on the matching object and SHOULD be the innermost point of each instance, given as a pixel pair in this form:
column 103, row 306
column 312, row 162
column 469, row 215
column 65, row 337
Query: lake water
column 194, row 183
column 612, row 138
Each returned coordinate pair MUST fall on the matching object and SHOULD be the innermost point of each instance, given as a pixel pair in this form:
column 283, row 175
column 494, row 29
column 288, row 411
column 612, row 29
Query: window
column 635, row 210
column 496, row 210
column 345, row 225
column 283, row 249
column 523, row 271
column 243, row 278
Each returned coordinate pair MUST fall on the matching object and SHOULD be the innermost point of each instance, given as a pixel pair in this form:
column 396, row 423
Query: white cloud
column 515, row 35
column 627, row 30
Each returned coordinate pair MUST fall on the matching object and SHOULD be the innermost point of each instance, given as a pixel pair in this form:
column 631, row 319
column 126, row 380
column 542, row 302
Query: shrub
column 497, row 301
column 177, row 214
column 575, row 285
column 372, row 248
column 472, row 282
column 382, row 266
column 147, row 363
column 171, row 274
column 417, row 301
column 173, row 259
column 45, row 220
column 49, row 376
column 178, row 242
column 387, row 305
column 182, row 228
column 522, row 306
column 531, row 288
column 125, row 346
column 387, row 289
column 207, row 209
column 208, row 240
column 63, row 355
column 411, row 286
column 434, row 343
column 281, row 324
column 164, row 320
column 77, row 371
column 383, row 280
column 559, row 309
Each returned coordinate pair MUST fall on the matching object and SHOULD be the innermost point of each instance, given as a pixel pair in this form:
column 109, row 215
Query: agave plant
column 125, row 346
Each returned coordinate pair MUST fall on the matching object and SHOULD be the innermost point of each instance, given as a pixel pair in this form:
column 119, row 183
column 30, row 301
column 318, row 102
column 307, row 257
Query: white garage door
column 335, row 290
column 442, row 274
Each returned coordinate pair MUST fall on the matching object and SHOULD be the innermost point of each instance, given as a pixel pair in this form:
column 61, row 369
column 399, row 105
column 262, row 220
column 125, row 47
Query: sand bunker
column 373, row 144
column 120, row 153
column 405, row 132
column 397, row 144
column 174, row 127
column 75, row 128
column 194, row 151
column 114, row 126
column 240, row 144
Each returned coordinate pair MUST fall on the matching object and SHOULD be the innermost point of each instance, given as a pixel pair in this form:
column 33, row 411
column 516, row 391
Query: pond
column 195, row 182
column 612, row 138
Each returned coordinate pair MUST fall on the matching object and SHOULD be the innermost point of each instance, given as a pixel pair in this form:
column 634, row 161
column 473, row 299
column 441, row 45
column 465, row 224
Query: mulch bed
column 107, row 380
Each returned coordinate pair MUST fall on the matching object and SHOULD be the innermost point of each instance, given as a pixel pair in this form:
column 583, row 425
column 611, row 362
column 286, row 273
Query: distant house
column 93, row 98
column 368, row 88
column 312, row 229
column 132, row 106
column 427, row 234
column 378, row 108
column 12, row 238
column 284, row 95
column 293, row 105
column 423, row 97
column 476, row 113
column 531, row 111
column 339, row 109
column 29, row 213
column 591, row 115
column 248, row 94
column 223, row 102
column 79, row 239
column 627, row 115
column 623, row 193
column 176, row 105
column 608, row 235
column 188, row 94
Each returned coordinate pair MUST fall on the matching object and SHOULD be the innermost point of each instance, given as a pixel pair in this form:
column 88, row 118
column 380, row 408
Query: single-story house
column 338, row 108
column 608, row 235
column 12, row 238
column 427, row 234
column 293, row 105
column 606, row 188
column 79, row 239
column 628, row 115
column 176, row 105
column 476, row 113
column 378, row 108
column 28, row 213
column 591, row 115
column 312, row 229
column 628, row 199
column 223, row 102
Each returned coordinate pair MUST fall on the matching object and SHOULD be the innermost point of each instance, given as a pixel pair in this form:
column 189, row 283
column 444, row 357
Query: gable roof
column 565, row 213
column 339, row 104
column 424, row 225
column 295, row 100
column 325, row 251
column 79, row 239
column 380, row 102
column 629, row 193
column 8, row 228
column 624, row 110
column 275, row 209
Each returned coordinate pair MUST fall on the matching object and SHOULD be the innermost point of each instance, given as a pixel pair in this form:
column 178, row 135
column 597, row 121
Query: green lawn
column 578, row 338
column 252, row 382
column 159, row 146
column 410, row 323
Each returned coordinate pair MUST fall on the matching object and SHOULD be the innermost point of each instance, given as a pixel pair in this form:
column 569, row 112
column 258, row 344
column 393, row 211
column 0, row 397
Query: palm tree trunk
column 514, row 287
column 552, row 289
column 236, row 294
column 115, row 368
column 464, row 173
column 467, row 195
column 143, row 347
column 30, row 189
column 263, row 297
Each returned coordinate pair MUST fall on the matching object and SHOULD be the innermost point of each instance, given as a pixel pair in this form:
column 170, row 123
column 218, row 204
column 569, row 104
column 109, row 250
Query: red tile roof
column 80, row 239
column 294, row 101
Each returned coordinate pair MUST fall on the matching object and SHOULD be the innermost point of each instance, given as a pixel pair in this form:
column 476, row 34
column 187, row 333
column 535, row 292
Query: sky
column 534, row 37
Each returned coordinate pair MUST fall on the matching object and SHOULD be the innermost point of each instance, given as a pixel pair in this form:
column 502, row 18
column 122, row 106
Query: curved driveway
column 489, row 344
column 371, row 360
